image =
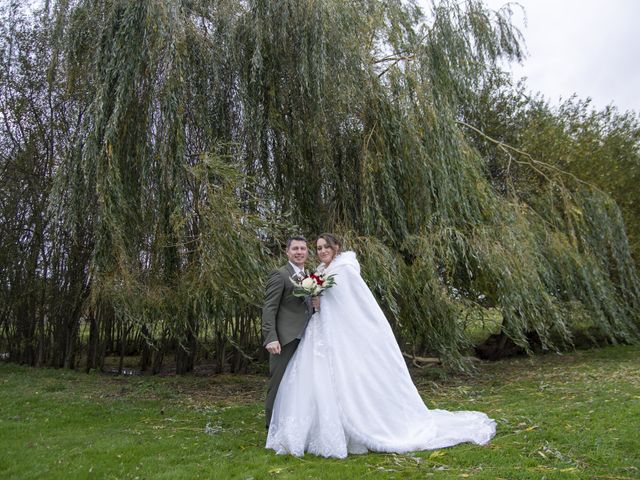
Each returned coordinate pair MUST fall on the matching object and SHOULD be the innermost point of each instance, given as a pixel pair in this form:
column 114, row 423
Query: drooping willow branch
column 506, row 148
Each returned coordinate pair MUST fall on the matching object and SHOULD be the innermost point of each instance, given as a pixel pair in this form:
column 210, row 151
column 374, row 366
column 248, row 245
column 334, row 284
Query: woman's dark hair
column 331, row 240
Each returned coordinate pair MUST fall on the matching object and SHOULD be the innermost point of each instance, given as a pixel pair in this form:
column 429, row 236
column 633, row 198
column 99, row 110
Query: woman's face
column 324, row 251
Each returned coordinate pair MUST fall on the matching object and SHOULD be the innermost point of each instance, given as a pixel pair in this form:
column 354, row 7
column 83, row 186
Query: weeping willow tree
column 204, row 132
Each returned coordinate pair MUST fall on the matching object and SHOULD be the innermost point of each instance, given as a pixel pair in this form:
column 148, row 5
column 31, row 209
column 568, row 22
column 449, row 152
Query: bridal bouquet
column 311, row 285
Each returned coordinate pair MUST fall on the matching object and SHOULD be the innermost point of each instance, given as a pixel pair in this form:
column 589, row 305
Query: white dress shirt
column 296, row 269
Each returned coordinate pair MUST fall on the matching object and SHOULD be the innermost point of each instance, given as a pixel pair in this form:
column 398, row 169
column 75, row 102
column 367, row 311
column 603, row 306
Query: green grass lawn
column 572, row 416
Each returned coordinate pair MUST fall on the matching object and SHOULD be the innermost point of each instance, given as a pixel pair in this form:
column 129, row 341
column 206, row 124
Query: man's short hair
column 299, row 238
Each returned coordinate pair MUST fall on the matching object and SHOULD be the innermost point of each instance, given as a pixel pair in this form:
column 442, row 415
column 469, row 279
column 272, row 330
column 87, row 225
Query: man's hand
column 315, row 302
column 273, row 348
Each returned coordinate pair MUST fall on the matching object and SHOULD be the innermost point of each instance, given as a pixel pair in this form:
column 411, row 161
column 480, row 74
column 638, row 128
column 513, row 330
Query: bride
column 347, row 388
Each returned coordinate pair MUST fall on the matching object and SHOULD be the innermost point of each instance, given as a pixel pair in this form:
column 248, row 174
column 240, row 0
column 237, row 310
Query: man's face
column 297, row 252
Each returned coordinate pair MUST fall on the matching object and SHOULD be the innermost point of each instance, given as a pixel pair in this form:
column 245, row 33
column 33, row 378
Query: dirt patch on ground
column 221, row 388
column 236, row 389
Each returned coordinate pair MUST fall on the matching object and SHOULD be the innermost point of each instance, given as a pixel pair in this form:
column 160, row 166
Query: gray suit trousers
column 277, row 366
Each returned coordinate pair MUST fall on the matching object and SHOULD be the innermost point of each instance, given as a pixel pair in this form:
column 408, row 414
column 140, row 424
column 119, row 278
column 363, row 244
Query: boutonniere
column 298, row 277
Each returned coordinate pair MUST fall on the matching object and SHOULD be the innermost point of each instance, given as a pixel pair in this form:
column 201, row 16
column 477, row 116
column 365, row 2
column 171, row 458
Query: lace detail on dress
column 320, row 435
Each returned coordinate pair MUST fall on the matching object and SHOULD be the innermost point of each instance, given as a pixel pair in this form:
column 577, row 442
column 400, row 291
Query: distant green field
column 572, row 416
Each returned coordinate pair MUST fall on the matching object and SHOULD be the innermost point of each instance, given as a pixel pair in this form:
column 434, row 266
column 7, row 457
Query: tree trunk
column 158, row 354
column 221, row 351
column 186, row 352
column 145, row 354
column 92, row 345
column 123, row 340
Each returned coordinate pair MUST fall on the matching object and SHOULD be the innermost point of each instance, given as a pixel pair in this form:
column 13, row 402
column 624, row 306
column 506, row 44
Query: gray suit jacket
column 284, row 316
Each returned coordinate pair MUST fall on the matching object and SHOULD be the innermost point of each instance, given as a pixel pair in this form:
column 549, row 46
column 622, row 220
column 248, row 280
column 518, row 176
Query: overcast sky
column 587, row 47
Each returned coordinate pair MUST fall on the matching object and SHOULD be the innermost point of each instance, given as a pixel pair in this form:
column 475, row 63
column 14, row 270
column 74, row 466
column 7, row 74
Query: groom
column 284, row 317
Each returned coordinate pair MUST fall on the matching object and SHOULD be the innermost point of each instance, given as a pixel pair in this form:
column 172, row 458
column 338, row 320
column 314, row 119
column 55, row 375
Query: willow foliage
column 205, row 132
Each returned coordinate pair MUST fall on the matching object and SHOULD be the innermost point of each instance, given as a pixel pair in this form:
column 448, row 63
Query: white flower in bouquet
column 309, row 284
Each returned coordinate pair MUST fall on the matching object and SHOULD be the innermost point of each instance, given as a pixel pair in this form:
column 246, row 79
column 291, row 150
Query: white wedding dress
column 347, row 388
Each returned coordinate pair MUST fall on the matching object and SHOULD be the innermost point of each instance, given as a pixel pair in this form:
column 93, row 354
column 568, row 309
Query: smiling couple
column 338, row 381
